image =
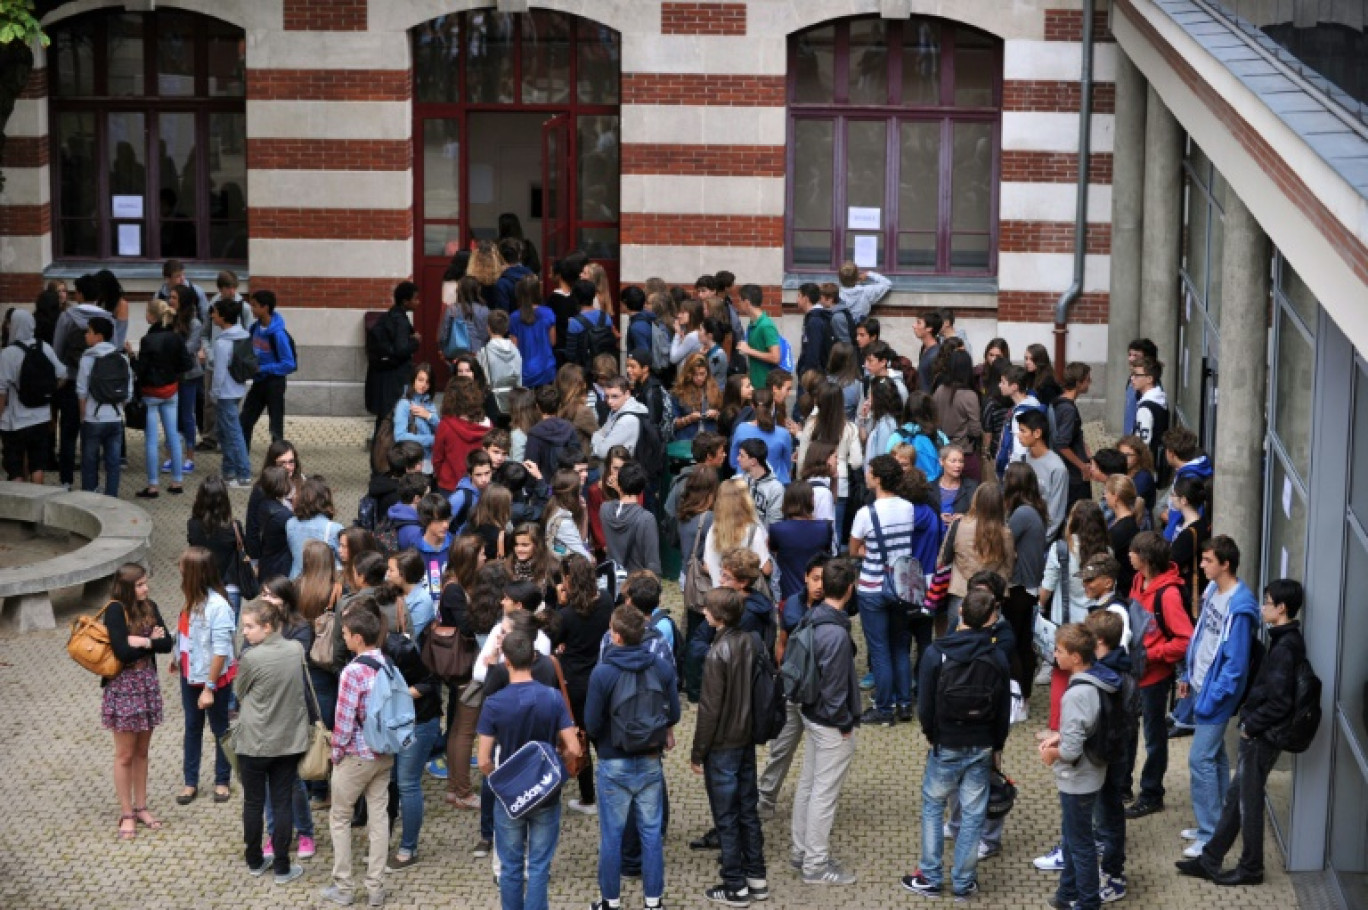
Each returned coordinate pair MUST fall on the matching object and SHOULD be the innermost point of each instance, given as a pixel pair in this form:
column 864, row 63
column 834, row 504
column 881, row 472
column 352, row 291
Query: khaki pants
column 351, row 780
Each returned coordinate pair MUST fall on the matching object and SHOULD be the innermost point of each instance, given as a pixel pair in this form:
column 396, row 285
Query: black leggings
column 1020, row 613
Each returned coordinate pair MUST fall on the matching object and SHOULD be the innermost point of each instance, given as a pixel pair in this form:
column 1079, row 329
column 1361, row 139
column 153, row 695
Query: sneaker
column 947, row 832
column 796, row 860
column 867, row 681
column 377, row 898
column 1101, row 847
column 758, row 889
column 1042, row 677
column 1141, row 808
column 1194, row 849
column 906, row 714
column 187, row 466
column 166, row 466
column 764, row 810
column 1113, row 888
column 1052, row 861
column 1058, row 904
column 337, row 896
column 295, row 872
column 438, row 768
column 873, row 717
column 481, row 849
column 259, row 871
column 708, row 841
column 307, row 848
column 1190, row 833
column 237, row 483
column 721, row 894
column 919, row 884
column 987, row 850
column 399, row 863
column 1196, row 868
column 830, row 874
column 582, row 808
column 968, row 894
column 268, row 851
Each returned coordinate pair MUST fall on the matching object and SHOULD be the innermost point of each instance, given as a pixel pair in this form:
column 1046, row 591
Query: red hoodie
column 456, row 438
column 1161, row 654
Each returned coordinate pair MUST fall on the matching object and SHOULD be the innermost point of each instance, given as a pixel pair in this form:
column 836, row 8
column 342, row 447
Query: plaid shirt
column 353, row 689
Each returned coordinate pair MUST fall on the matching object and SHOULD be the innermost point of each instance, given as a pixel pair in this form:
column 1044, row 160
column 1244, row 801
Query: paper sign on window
column 862, row 219
column 130, row 240
column 128, row 207
column 866, row 252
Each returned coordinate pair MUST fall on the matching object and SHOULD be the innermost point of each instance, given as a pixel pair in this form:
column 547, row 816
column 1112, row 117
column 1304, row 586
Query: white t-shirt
column 897, row 521
column 1209, row 625
column 543, row 644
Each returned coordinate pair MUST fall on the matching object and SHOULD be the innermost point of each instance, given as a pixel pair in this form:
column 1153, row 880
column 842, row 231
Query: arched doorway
column 513, row 113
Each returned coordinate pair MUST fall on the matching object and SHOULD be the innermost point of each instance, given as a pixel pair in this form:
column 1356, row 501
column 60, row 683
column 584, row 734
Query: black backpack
column 73, row 346
column 769, row 708
column 1297, row 734
column 597, row 338
column 1115, row 728
column 109, row 380
column 650, row 449
column 37, row 376
column 243, row 365
column 676, row 637
column 639, row 708
column 968, row 693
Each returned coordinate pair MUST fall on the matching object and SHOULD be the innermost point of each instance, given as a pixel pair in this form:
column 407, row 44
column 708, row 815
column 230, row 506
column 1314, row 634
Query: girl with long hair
column 828, row 423
column 318, row 592
column 533, row 329
column 843, row 365
column 818, row 470
column 885, row 407
column 563, row 523
column 487, row 265
column 206, row 628
column 736, row 403
column 603, row 288
column 980, row 541
column 270, row 546
column 1027, row 518
column 697, row 400
column 584, row 614
column 456, row 608
column 734, row 525
column 997, row 350
column 211, row 525
column 111, row 297
column 462, row 430
column 767, row 426
column 159, row 366
column 921, row 430
column 131, row 704
column 464, row 300
column 352, row 544
column 1062, row 596
column 695, row 515
column 688, row 335
column 577, row 403
column 530, row 560
column 959, row 409
column 1043, row 382
column 605, row 490
column 523, row 415
column 997, row 407
column 415, row 416
column 491, row 521
column 281, row 453
column 1128, row 515
column 313, row 520
column 467, row 366
column 1139, row 468
column 190, row 329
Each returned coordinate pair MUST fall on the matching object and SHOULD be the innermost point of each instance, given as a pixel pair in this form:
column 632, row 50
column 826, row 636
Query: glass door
column 556, row 228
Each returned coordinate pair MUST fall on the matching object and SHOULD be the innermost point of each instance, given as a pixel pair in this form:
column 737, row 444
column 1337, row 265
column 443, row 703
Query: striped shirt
column 897, row 521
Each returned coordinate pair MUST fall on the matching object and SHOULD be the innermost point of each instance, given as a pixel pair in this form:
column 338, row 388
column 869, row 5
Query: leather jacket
column 724, row 705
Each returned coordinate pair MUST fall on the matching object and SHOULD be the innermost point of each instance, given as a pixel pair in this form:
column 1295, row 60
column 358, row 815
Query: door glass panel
column 1287, row 531
column 1358, row 463
column 227, row 52
column 919, row 176
column 441, row 239
column 1292, row 395
column 599, row 243
column 126, row 70
column 921, row 62
column 436, row 59
column 175, row 54
column 599, row 63
column 598, row 168
column 868, row 75
column 76, row 146
column 441, row 169
column 177, row 179
column 1299, row 296
column 546, row 58
column 489, row 61
column 1215, row 258
column 1188, row 370
column 971, row 186
column 72, row 57
column 813, row 157
column 975, row 68
column 814, row 66
column 228, row 186
column 812, row 248
column 1349, row 825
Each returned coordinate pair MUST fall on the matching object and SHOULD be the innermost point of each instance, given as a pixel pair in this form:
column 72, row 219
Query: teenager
column 696, row 398
column 276, row 359
column 1066, row 438
column 1152, row 411
column 1110, row 629
column 1014, row 387
column 818, row 334
column 1027, row 519
column 752, row 459
column 623, row 426
column 207, row 667
column 859, row 291
column 390, row 346
column 761, row 346
column 959, row 410
column 101, row 405
column 926, row 328
column 1053, row 478
column 1185, row 458
column 1136, row 351
column 630, row 532
column 26, row 431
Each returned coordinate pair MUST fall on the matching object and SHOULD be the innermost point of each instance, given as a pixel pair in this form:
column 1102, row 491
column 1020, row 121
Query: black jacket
column 273, row 557
column 1273, row 692
column 390, row 347
column 963, row 646
column 162, row 358
column 117, row 626
column 817, row 341
column 652, row 394
column 838, row 700
column 724, row 704
column 222, row 545
column 404, row 652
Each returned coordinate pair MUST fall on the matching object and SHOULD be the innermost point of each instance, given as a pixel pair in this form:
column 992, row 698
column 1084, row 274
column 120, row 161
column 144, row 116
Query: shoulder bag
column 1047, row 627
column 697, row 582
column 89, row 645
column 903, row 580
column 317, row 758
column 247, row 583
column 573, row 766
column 447, row 652
column 937, row 593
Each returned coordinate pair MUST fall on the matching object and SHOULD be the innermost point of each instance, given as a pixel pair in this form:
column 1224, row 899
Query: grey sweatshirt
column 1079, row 713
column 622, row 429
column 16, row 416
column 630, row 533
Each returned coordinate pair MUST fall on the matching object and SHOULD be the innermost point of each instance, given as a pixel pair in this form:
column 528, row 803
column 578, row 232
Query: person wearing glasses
column 1152, row 412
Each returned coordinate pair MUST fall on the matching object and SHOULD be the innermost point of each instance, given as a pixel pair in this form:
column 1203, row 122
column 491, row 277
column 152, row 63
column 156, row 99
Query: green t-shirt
column 763, row 336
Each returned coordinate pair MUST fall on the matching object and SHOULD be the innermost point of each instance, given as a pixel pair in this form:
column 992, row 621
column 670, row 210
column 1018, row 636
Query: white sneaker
column 987, row 850
column 1194, row 849
column 1042, row 677
column 947, row 832
column 1190, row 833
column 575, row 805
column 1052, row 861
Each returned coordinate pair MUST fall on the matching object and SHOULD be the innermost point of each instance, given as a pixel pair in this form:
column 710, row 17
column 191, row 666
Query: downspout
column 1061, row 327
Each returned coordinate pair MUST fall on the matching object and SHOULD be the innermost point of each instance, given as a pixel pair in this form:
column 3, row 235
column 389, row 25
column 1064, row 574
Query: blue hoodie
column 435, row 559
column 1199, row 468
column 405, row 518
column 598, row 703
column 639, row 331
column 463, row 501
column 928, row 456
column 275, row 353
column 1228, row 676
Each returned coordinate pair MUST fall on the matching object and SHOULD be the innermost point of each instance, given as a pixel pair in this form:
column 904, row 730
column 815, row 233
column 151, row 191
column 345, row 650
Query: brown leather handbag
column 89, row 645
column 448, row 653
column 573, row 766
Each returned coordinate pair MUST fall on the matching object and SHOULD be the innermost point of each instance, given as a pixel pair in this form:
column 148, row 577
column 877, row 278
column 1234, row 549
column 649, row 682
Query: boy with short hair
column 227, row 393
column 878, row 359
column 466, row 496
column 1032, row 430
column 403, row 515
column 1152, row 410
column 497, row 444
column 1136, row 351
column 724, row 752
column 102, row 420
column 752, row 460
column 1015, row 384
column 434, row 541
column 817, row 334
column 715, row 334
column 1183, row 452
column 227, row 284
column 276, row 359
column 927, row 328
column 761, row 346
column 629, row 531
column 859, row 291
column 500, row 359
column 639, row 319
column 866, row 333
column 1110, row 814
column 1067, row 438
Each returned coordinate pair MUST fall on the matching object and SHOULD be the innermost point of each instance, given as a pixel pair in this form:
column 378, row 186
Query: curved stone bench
column 118, row 532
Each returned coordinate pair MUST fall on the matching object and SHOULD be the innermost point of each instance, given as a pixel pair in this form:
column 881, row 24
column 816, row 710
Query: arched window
column 894, row 140
column 149, row 137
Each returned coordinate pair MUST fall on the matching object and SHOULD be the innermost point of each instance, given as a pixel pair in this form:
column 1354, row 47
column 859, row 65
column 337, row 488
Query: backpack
column 294, row 349
column 387, row 534
column 597, row 338
column 650, row 447
column 660, row 347
column 1115, row 728
column 968, row 691
column 639, row 712
column 454, row 337
column 659, row 615
column 37, row 376
column 501, row 381
column 109, row 380
column 73, row 346
column 903, row 579
column 769, row 708
column 785, row 354
column 1300, row 729
column 528, row 779
column 1141, row 621
column 243, row 365
column 459, row 516
column 390, row 718
column 802, row 682
column 365, row 513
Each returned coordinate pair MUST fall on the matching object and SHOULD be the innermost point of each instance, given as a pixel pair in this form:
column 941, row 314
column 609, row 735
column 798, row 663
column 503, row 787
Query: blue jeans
column 487, row 802
column 534, row 836
column 189, row 397
column 1153, row 708
column 165, row 411
column 231, row 441
column 194, row 732
column 734, row 797
column 1078, row 881
column 888, row 636
column 105, row 437
column 408, row 775
column 303, row 817
column 965, row 772
column 632, row 786
column 1109, row 819
column 1209, row 772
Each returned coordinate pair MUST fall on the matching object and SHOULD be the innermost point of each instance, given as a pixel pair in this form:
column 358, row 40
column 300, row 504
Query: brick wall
column 1067, row 25
column 329, row 154
column 1050, row 237
column 1038, row 306
column 712, row 90
column 330, row 224
column 703, row 19
column 704, row 160
column 25, row 220
column 325, row 15
column 347, row 293
column 710, row 230
column 1054, row 167
column 1052, row 95
column 328, row 85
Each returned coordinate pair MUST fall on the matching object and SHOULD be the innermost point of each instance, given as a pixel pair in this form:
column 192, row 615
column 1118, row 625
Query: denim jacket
column 297, row 532
column 424, row 430
column 211, row 635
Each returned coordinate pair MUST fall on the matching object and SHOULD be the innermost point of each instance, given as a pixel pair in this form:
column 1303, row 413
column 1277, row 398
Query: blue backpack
column 390, row 718
column 455, row 334
column 640, row 710
column 785, row 354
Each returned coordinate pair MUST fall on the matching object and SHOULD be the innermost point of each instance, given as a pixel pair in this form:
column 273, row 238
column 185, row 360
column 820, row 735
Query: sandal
column 147, row 819
column 147, row 493
column 222, row 794
column 187, row 796
column 128, row 833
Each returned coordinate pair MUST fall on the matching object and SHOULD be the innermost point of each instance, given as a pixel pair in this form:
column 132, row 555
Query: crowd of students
column 508, row 557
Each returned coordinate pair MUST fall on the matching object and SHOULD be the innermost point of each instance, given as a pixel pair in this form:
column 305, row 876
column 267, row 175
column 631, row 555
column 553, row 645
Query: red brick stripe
column 706, row 230
column 329, row 154
column 1050, row 237
column 703, row 18
column 330, row 224
column 37, row 85
column 1038, row 306
column 25, row 220
column 711, row 90
column 1349, row 247
column 1054, row 167
column 25, row 151
column 332, row 293
column 703, row 160
column 328, row 85
column 1067, row 25
column 325, row 15
column 1051, row 95
column 19, row 287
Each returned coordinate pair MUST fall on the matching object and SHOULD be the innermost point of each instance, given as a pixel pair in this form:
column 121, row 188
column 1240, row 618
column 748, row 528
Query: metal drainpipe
column 1061, row 327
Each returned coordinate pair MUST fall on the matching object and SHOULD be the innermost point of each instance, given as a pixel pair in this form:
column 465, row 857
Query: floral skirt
column 133, row 700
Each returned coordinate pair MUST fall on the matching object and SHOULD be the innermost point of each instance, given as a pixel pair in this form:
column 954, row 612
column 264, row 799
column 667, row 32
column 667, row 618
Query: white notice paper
column 128, row 207
column 862, row 219
column 866, row 252
column 1282, row 571
column 130, row 240
column 1287, row 500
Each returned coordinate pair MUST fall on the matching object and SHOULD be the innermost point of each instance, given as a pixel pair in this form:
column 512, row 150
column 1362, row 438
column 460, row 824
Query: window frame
column 946, row 114
column 151, row 105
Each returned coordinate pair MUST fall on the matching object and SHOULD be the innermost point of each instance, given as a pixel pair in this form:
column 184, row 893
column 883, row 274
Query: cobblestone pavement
column 58, row 847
